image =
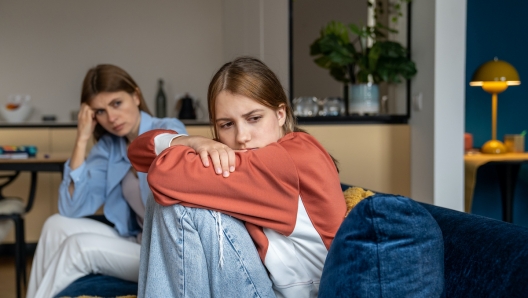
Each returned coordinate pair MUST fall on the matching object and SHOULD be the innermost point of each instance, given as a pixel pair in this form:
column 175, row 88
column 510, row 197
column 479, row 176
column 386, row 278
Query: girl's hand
column 222, row 156
column 86, row 123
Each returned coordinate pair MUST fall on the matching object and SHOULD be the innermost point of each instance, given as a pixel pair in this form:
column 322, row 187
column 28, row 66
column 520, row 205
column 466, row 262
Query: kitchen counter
column 345, row 120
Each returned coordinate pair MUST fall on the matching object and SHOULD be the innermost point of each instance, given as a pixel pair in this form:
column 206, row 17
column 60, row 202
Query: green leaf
column 355, row 29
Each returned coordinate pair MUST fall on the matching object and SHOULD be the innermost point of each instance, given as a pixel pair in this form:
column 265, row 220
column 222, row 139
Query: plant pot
column 363, row 99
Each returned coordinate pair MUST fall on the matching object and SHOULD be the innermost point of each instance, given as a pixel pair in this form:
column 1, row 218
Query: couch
column 424, row 251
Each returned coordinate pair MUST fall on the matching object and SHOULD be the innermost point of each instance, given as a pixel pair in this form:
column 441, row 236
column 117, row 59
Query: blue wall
column 497, row 28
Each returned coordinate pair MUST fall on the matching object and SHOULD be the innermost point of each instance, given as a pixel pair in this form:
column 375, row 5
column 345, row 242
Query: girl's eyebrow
column 244, row 115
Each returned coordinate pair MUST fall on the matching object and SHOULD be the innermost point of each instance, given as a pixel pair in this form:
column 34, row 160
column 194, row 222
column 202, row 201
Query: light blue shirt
column 98, row 180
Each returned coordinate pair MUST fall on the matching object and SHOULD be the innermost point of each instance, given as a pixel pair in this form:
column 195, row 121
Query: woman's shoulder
column 106, row 144
column 167, row 123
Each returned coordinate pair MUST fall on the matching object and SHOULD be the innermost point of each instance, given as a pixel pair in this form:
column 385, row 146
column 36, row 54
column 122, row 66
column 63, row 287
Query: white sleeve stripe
column 162, row 141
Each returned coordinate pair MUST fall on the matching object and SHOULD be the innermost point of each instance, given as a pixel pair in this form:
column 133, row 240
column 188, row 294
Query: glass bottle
column 161, row 101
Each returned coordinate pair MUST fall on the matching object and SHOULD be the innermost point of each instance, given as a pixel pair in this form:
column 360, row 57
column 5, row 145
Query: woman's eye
column 226, row 125
column 99, row 112
column 117, row 104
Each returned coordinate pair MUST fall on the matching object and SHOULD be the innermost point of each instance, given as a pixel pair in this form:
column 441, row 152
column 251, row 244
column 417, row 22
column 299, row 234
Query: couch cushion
column 388, row 246
column 99, row 285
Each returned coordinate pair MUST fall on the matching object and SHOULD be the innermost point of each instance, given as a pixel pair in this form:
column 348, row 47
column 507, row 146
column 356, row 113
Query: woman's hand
column 85, row 127
column 85, row 123
column 222, row 156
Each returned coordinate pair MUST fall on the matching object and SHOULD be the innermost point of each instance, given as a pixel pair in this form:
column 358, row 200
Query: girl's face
column 243, row 123
column 117, row 112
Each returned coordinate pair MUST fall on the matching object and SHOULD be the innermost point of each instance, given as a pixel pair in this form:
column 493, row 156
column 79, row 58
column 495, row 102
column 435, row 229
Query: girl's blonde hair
column 251, row 78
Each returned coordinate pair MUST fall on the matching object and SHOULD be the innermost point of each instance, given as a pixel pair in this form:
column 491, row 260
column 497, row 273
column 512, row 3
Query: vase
column 363, row 99
column 305, row 106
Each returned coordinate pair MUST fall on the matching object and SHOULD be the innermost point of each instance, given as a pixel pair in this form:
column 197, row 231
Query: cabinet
column 375, row 156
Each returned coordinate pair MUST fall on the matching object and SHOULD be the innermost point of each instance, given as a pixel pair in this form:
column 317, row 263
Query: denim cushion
column 388, row 246
column 99, row 285
column 483, row 257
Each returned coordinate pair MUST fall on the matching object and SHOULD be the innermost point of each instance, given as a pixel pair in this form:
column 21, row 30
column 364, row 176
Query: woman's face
column 117, row 112
column 243, row 123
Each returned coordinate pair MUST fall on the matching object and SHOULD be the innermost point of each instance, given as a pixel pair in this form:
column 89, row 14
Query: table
column 43, row 162
column 507, row 167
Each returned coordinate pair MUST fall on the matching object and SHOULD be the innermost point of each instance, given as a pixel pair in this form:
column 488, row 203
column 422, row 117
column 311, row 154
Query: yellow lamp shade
column 495, row 71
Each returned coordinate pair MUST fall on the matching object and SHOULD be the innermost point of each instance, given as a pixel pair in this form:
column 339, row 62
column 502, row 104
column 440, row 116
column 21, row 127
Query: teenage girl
column 285, row 193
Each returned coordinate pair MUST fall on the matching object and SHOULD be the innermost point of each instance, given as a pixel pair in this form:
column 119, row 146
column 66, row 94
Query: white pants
column 70, row 248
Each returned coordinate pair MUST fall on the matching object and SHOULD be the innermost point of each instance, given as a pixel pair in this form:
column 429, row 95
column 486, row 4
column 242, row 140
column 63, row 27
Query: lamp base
column 493, row 147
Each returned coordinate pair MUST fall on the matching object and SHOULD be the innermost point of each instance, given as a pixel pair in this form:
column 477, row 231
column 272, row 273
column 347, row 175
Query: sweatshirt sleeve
column 263, row 190
column 142, row 151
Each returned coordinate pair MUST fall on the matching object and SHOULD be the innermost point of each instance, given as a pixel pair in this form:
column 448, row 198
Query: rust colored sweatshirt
column 287, row 193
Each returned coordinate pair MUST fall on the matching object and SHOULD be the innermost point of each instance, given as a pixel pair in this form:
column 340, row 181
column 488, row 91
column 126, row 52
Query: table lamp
column 494, row 77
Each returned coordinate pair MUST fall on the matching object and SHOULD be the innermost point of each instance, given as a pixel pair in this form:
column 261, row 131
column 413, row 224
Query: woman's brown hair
column 109, row 78
column 251, row 78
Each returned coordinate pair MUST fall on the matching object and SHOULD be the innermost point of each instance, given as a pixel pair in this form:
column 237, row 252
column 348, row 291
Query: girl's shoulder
column 299, row 138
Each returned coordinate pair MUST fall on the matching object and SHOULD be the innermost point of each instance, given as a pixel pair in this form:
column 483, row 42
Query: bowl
column 17, row 115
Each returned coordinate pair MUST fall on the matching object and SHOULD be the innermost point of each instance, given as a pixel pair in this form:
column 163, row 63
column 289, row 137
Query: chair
column 14, row 209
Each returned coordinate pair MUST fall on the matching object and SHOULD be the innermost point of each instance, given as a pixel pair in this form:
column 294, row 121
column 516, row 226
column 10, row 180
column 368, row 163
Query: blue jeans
column 181, row 255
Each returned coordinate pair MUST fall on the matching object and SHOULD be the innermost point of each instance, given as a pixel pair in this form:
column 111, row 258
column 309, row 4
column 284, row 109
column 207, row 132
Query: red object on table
column 468, row 141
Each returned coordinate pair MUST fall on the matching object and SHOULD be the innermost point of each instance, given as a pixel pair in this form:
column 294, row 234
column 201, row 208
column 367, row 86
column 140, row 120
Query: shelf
column 355, row 119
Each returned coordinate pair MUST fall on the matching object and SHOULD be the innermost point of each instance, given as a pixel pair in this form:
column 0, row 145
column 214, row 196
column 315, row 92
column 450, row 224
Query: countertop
column 379, row 119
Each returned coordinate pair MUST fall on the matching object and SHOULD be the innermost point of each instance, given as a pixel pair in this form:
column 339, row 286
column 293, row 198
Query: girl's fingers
column 215, row 158
column 232, row 160
column 204, row 156
column 224, row 161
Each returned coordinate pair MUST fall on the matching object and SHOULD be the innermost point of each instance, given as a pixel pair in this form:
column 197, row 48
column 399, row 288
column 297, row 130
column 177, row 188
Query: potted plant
column 361, row 65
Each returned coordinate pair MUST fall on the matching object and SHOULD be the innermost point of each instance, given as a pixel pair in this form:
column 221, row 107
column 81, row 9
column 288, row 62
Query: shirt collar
column 145, row 123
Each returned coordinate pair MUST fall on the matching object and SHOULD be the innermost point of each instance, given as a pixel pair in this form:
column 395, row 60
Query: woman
column 285, row 190
column 113, row 112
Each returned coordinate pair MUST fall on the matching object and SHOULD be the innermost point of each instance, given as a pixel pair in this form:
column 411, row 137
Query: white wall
column 47, row 46
column 438, row 48
column 258, row 28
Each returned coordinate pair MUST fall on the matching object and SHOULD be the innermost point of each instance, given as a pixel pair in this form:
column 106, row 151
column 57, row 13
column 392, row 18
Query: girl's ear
column 281, row 114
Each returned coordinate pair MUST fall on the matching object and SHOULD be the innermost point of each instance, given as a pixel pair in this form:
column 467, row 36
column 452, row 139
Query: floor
column 7, row 276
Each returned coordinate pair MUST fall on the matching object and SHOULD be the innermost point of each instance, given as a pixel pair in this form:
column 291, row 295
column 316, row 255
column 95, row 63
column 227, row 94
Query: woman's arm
column 85, row 127
column 89, row 180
